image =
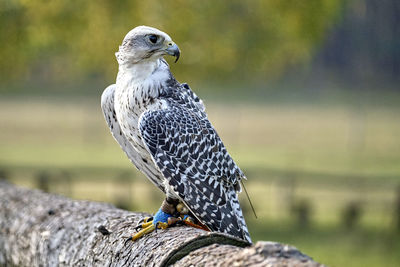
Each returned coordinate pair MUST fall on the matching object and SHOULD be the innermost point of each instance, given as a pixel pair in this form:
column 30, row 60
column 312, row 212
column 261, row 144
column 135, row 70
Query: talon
column 161, row 220
column 128, row 239
column 142, row 232
column 143, row 225
column 145, row 220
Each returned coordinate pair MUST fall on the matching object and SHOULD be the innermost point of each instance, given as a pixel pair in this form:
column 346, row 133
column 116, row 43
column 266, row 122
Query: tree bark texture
column 40, row 229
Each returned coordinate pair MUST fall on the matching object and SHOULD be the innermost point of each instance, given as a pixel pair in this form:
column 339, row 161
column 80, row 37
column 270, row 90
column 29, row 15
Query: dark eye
column 153, row 38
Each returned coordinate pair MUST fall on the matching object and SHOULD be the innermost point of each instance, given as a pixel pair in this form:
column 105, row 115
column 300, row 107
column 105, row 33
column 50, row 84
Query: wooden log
column 40, row 229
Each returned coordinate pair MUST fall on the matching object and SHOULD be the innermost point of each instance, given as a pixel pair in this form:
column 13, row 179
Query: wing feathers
column 196, row 164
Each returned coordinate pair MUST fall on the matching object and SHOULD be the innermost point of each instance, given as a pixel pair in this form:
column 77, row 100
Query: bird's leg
column 172, row 212
column 159, row 221
column 144, row 223
column 186, row 219
column 193, row 222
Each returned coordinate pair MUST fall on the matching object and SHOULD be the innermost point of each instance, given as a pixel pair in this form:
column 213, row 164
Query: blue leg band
column 161, row 216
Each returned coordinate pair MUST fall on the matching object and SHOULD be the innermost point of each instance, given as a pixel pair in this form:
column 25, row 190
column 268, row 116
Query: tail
column 240, row 218
column 227, row 218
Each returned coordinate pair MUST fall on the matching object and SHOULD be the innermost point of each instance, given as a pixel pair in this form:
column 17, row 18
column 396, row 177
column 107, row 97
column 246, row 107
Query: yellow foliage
column 253, row 39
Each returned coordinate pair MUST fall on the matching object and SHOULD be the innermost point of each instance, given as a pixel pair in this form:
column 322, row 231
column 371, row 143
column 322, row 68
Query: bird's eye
column 153, row 38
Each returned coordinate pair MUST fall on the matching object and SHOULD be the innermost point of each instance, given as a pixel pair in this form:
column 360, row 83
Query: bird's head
column 145, row 43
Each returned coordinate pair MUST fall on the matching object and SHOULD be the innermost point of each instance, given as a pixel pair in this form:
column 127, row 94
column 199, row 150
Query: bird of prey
column 164, row 130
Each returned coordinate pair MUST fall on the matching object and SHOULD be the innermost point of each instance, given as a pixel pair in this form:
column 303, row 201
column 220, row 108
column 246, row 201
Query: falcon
column 164, row 130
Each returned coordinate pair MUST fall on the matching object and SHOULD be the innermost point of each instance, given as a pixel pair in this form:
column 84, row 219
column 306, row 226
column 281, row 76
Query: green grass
column 336, row 246
column 325, row 155
column 330, row 139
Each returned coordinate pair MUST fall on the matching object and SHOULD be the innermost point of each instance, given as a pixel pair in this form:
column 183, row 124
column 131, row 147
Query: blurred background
column 305, row 95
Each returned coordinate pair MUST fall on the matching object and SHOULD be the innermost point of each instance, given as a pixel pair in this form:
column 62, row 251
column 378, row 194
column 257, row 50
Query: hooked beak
column 173, row 50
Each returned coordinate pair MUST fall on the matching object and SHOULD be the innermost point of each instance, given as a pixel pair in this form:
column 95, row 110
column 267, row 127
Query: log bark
column 40, row 229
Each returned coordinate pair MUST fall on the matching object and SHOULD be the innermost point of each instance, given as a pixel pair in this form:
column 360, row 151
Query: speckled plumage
column 164, row 130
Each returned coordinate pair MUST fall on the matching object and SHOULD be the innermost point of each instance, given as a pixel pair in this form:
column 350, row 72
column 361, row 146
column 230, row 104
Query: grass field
column 324, row 157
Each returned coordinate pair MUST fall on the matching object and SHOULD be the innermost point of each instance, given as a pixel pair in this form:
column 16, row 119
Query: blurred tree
column 351, row 215
column 43, row 181
column 397, row 210
column 302, row 210
column 56, row 40
column 4, row 175
column 365, row 45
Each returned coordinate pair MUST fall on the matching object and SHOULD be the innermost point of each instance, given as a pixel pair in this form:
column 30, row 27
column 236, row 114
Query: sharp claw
column 145, row 220
column 143, row 225
column 147, row 225
column 148, row 219
column 128, row 239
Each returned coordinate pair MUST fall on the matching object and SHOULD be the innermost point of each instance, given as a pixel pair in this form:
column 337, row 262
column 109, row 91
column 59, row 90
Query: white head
column 145, row 43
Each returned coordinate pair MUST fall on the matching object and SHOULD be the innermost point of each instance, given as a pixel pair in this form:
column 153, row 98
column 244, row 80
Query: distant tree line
column 365, row 43
column 62, row 40
column 58, row 40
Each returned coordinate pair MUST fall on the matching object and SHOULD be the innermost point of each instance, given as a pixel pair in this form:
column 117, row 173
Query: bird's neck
column 146, row 72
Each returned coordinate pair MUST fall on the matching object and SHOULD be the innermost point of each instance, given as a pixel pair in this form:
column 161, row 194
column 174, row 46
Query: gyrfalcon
column 163, row 128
